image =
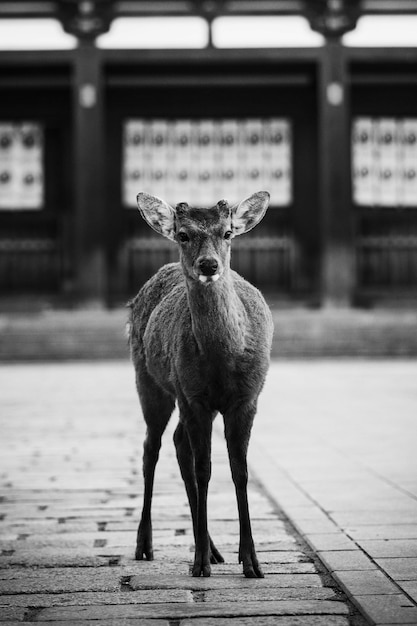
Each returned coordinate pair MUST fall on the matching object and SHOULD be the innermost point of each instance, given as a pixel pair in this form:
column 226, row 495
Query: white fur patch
column 208, row 279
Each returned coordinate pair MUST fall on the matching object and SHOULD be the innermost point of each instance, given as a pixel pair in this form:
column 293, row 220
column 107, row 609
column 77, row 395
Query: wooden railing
column 387, row 261
column 30, row 265
column 264, row 261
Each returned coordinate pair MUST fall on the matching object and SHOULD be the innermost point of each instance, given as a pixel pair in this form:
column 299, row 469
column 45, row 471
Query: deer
column 200, row 336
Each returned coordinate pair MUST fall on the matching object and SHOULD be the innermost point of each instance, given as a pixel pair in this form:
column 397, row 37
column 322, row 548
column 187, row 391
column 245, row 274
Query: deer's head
column 203, row 235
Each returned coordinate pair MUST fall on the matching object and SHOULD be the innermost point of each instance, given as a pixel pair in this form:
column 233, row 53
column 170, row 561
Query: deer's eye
column 183, row 237
column 228, row 234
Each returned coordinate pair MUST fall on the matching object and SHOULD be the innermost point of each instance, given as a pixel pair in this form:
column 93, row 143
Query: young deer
column 200, row 334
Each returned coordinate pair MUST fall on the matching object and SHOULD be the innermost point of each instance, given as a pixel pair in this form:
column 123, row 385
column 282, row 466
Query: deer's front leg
column 199, row 431
column 238, row 425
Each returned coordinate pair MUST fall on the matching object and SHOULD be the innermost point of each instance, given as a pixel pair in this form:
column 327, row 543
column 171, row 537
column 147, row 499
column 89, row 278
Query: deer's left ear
column 248, row 213
column 157, row 213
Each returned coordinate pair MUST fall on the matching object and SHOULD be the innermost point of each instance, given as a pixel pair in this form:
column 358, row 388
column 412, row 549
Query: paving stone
column 268, row 568
column 126, row 622
column 330, row 542
column 297, row 581
column 345, row 519
column 285, row 545
column 280, row 556
column 311, row 526
column 388, row 609
column 305, row 620
column 311, row 512
column 383, row 531
column 53, row 558
column 390, row 548
column 365, row 582
column 18, row 581
column 346, row 560
column 410, row 587
column 270, row 593
column 55, row 526
column 399, row 569
column 63, row 541
column 202, row 609
column 11, row 613
column 149, row 596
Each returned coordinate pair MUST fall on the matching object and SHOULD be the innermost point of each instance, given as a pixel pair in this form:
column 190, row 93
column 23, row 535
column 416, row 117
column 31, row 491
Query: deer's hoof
column 251, row 567
column 140, row 555
column 253, row 571
column 198, row 571
column 201, row 567
column 144, row 548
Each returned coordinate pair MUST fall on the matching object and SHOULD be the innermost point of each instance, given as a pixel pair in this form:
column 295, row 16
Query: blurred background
column 313, row 100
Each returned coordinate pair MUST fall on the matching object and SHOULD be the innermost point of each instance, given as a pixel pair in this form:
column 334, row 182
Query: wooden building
column 331, row 130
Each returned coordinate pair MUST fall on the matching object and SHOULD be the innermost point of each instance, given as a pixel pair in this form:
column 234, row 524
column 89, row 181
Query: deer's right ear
column 158, row 214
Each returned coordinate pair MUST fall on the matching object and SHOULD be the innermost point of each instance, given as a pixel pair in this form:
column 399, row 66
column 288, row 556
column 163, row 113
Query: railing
column 32, row 265
column 265, row 261
column 387, row 261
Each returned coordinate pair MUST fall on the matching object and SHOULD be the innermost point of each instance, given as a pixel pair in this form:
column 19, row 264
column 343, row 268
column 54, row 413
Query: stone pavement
column 334, row 445
column 70, row 478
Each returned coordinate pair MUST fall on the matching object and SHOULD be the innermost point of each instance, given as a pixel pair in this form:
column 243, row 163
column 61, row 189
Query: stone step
column 100, row 334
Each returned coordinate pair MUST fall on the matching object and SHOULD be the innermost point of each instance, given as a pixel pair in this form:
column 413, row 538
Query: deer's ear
column 158, row 214
column 248, row 213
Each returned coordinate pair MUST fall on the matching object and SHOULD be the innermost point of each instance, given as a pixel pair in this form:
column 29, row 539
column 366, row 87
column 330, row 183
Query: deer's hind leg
column 186, row 464
column 157, row 406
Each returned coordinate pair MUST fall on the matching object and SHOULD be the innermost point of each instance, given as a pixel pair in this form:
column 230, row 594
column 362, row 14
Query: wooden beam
column 337, row 262
column 51, row 8
column 89, row 183
column 25, row 8
column 389, row 7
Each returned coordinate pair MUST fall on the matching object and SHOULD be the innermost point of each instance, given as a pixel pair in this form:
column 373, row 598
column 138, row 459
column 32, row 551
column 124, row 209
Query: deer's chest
column 216, row 378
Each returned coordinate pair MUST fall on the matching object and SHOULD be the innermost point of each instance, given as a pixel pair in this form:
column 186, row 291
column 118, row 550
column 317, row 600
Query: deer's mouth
column 207, row 280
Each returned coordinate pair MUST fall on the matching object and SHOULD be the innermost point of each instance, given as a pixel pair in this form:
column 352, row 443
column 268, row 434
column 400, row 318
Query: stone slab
column 410, row 587
column 365, row 582
column 311, row 526
column 382, row 609
column 11, row 613
column 18, row 581
column 345, row 519
column 46, row 557
column 399, row 569
column 393, row 548
column 337, row 560
column 330, row 541
column 271, row 593
column 305, row 620
column 90, row 598
column 383, row 531
column 296, row 581
column 203, row 609
column 126, row 622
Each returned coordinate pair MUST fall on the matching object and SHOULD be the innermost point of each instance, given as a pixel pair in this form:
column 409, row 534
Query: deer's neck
column 219, row 319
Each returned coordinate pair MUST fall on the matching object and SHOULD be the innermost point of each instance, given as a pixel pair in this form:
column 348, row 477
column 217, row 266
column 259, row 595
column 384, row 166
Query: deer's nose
column 208, row 266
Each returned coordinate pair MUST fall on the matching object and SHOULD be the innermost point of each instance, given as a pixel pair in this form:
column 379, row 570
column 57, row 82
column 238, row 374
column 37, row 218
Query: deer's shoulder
column 167, row 283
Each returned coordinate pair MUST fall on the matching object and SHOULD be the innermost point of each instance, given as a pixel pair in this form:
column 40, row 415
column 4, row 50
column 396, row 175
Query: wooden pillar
column 336, row 220
column 89, row 179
